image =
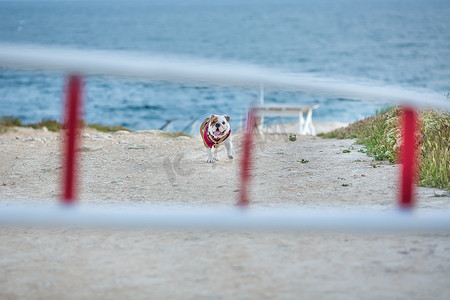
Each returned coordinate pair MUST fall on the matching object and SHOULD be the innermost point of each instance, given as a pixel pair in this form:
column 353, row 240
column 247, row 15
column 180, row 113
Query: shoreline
column 53, row 125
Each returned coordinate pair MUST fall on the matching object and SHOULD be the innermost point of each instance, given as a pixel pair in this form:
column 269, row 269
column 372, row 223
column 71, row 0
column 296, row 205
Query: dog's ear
column 228, row 118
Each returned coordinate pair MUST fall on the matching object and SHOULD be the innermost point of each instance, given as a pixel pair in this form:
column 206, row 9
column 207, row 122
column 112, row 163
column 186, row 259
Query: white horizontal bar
column 277, row 113
column 286, row 106
column 235, row 219
column 277, row 110
column 142, row 66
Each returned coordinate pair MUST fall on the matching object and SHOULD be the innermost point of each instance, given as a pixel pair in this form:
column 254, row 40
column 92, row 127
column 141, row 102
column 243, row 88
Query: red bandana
column 211, row 141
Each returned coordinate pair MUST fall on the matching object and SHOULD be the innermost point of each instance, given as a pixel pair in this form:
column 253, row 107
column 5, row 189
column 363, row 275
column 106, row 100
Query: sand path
column 143, row 168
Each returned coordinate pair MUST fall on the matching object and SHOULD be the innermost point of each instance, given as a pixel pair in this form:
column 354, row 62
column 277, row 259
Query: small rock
column 121, row 132
column 116, row 182
column 441, row 193
column 90, row 148
column 137, row 147
column 33, row 139
column 104, row 136
column 50, row 169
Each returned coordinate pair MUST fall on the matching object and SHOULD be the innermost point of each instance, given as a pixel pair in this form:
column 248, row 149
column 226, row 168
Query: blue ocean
column 397, row 42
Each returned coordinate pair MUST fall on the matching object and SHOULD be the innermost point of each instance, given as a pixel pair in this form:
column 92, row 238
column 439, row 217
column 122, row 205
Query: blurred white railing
column 77, row 63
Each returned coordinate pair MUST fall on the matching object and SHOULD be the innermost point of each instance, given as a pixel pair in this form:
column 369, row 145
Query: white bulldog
column 216, row 131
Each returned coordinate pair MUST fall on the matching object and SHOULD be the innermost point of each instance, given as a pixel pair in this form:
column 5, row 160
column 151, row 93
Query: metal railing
column 78, row 63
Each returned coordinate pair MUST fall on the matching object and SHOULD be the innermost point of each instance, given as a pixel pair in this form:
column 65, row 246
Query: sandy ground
column 146, row 168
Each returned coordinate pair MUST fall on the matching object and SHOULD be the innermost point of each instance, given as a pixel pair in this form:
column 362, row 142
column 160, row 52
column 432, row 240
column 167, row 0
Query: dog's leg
column 214, row 151
column 209, row 157
column 229, row 147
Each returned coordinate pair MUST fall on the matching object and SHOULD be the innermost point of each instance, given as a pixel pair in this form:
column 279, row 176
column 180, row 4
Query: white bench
column 305, row 127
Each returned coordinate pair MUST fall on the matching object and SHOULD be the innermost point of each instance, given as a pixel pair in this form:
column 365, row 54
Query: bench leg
column 309, row 124
column 306, row 127
column 301, row 123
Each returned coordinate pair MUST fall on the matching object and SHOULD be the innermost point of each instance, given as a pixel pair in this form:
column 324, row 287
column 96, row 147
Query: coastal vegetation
column 55, row 126
column 52, row 125
column 381, row 136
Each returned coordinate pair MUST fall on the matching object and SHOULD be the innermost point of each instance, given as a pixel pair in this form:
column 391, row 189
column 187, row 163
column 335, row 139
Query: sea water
column 396, row 42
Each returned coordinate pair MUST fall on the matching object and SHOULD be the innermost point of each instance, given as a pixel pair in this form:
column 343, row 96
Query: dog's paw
column 216, row 158
column 209, row 160
column 230, row 156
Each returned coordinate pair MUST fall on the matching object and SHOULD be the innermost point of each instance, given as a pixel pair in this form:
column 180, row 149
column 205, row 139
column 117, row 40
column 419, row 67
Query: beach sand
column 150, row 168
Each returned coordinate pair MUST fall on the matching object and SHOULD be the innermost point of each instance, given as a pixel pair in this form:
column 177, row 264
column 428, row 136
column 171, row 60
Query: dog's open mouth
column 218, row 132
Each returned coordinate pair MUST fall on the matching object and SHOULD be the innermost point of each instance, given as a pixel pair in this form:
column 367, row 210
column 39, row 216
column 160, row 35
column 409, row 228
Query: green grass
column 104, row 128
column 435, row 150
column 51, row 125
column 6, row 122
column 381, row 136
column 378, row 133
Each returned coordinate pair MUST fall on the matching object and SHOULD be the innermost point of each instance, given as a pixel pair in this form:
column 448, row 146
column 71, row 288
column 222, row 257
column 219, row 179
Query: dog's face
column 219, row 126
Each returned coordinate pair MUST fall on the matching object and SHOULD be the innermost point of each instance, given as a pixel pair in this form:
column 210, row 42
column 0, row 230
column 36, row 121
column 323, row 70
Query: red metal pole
column 246, row 161
column 70, row 141
column 408, row 158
